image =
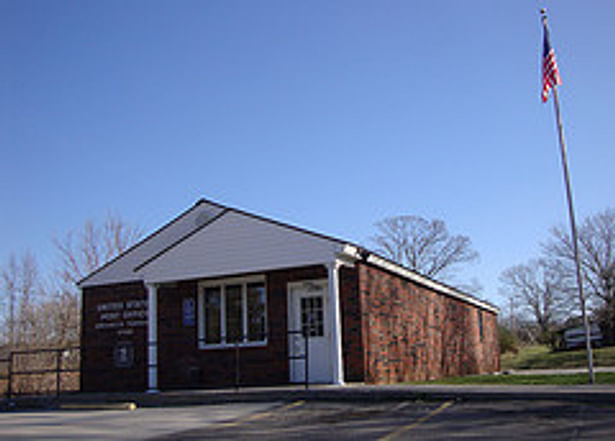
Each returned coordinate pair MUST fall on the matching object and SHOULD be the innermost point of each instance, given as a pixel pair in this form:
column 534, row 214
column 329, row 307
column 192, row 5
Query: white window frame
column 222, row 284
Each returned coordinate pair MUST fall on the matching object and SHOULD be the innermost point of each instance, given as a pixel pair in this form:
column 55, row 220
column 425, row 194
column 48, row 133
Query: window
column 312, row 322
column 212, row 308
column 256, row 312
column 480, row 325
column 232, row 311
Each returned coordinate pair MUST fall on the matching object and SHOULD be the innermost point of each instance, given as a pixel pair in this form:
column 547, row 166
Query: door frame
column 292, row 304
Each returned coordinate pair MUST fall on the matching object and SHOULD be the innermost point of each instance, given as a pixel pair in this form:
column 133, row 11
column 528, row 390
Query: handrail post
column 307, row 358
column 237, row 365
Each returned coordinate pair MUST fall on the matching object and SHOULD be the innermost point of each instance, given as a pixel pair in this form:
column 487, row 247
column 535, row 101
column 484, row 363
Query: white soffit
column 237, row 243
column 121, row 269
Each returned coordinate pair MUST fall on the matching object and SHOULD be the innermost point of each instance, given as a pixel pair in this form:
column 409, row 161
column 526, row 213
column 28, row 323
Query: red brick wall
column 412, row 333
column 392, row 331
column 177, row 364
column 103, row 328
column 182, row 365
column 352, row 325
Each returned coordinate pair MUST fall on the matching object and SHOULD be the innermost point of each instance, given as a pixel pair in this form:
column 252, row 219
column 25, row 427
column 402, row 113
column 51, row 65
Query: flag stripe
column 550, row 72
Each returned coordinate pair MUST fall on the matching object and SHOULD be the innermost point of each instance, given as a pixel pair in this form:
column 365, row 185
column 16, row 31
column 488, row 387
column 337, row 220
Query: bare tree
column 423, row 245
column 539, row 293
column 21, row 289
column 597, row 252
column 9, row 298
column 83, row 251
column 60, row 312
column 42, row 314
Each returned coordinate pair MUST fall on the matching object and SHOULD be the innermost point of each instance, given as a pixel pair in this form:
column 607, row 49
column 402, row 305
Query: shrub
column 507, row 340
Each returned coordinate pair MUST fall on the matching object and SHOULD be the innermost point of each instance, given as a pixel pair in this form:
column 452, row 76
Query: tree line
column 542, row 293
column 43, row 310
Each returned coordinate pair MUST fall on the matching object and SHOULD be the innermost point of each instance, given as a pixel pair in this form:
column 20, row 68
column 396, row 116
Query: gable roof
column 121, row 268
column 214, row 240
column 234, row 243
column 127, row 266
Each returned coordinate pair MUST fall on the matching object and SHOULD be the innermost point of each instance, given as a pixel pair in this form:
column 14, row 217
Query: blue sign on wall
column 189, row 310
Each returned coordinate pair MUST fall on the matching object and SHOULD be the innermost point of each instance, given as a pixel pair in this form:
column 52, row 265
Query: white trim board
column 416, row 277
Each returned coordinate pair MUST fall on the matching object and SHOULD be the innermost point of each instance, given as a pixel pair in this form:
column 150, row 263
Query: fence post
column 9, row 388
column 58, row 369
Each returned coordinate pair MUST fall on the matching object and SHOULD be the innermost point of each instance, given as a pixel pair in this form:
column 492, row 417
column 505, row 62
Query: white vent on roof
column 203, row 217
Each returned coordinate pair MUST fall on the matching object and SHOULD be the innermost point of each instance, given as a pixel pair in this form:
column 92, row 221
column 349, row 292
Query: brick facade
column 352, row 325
column 110, row 324
column 392, row 330
column 412, row 333
column 182, row 365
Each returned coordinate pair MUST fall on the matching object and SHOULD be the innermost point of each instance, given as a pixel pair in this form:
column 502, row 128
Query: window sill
column 253, row 344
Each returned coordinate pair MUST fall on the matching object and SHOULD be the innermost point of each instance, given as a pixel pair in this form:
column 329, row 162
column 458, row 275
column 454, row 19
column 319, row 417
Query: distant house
column 219, row 292
column 575, row 337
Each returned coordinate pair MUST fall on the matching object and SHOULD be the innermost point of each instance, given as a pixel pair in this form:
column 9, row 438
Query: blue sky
column 326, row 114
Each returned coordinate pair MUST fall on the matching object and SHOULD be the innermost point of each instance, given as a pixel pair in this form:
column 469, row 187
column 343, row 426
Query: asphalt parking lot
column 543, row 420
column 323, row 420
column 116, row 424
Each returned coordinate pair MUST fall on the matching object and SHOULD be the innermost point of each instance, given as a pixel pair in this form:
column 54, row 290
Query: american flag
column 550, row 73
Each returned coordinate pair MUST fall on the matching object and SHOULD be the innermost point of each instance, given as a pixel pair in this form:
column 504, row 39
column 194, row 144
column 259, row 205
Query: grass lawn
column 601, row 378
column 541, row 357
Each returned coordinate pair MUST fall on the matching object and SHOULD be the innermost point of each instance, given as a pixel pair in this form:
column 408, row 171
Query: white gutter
column 355, row 253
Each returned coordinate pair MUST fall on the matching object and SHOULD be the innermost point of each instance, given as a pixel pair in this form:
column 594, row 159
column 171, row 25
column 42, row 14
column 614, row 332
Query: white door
column 308, row 312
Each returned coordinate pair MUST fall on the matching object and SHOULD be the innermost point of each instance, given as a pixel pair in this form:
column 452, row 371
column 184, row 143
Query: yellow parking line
column 258, row 416
column 289, row 406
column 411, row 426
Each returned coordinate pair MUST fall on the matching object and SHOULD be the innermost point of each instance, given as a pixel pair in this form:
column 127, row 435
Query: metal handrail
column 305, row 357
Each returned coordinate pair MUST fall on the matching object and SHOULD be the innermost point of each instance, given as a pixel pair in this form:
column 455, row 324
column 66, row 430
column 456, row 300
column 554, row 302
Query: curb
column 131, row 401
column 98, row 406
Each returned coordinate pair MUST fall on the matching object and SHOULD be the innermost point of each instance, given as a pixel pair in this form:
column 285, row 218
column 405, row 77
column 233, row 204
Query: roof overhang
column 360, row 254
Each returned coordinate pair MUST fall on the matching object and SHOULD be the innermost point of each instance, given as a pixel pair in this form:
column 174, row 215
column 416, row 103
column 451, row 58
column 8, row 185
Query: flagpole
column 573, row 227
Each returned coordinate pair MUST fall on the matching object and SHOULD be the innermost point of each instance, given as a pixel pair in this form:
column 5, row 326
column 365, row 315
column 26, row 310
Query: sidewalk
column 558, row 371
column 604, row 394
